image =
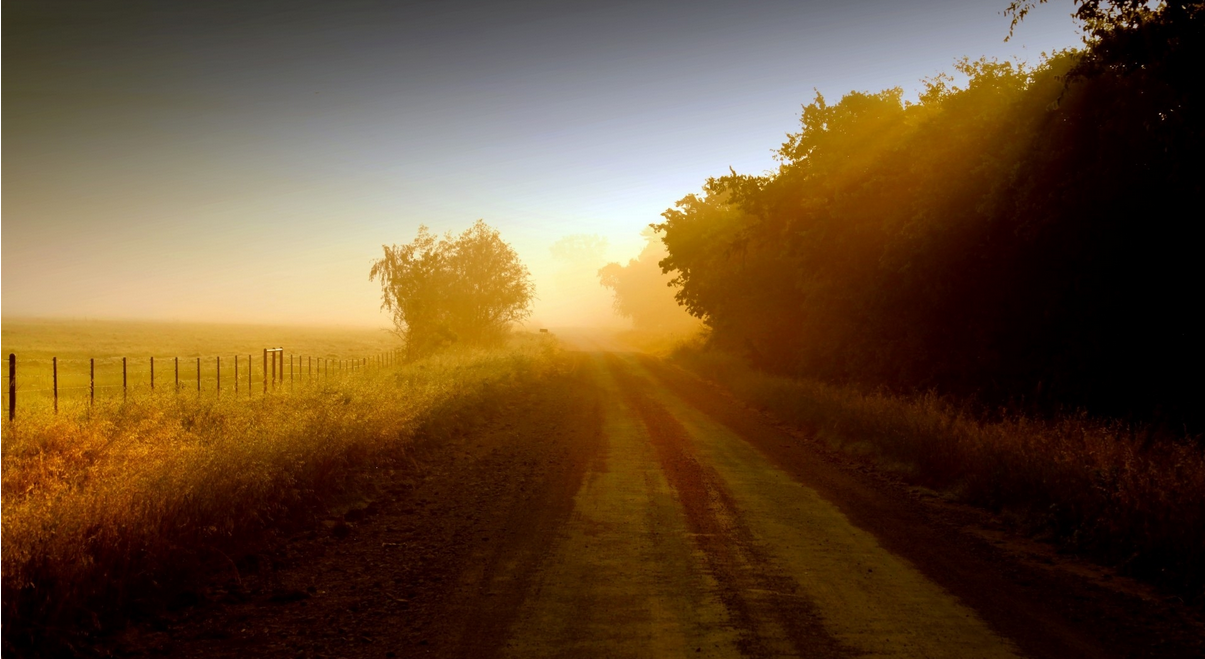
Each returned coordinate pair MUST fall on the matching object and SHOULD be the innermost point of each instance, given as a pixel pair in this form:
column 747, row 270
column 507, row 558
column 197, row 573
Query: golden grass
column 74, row 342
column 108, row 507
column 1117, row 493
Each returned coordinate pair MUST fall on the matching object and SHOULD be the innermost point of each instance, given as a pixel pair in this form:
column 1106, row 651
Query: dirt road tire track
column 596, row 515
column 1046, row 612
column 734, row 558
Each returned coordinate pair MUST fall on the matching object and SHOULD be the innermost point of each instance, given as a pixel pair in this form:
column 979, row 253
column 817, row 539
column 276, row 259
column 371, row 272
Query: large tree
column 442, row 290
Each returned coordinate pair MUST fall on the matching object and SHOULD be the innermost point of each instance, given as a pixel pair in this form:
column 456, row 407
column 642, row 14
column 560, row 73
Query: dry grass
column 1117, row 493
column 75, row 342
column 108, row 509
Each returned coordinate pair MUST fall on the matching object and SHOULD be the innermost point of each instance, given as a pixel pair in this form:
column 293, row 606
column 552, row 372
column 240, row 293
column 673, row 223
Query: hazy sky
column 244, row 161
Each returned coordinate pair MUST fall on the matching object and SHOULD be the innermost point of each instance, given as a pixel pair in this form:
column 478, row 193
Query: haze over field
column 229, row 162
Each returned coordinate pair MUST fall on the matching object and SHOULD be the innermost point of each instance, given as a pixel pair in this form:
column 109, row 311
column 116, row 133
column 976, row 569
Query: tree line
column 1026, row 237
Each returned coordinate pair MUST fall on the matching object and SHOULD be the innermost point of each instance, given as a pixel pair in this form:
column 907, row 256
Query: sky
column 245, row 161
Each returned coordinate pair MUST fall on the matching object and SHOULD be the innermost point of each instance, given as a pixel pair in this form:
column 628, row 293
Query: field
column 75, row 342
column 114, row 506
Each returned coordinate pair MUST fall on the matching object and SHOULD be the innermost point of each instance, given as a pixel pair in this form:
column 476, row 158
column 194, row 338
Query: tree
column 455, row 289
column 643, row 293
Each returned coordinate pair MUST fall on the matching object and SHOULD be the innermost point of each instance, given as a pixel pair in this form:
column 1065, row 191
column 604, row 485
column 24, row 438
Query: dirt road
column 631, row 510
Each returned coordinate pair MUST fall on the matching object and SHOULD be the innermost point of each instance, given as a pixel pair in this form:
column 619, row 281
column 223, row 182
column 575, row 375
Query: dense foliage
column 468, row 288
column 1026, row 236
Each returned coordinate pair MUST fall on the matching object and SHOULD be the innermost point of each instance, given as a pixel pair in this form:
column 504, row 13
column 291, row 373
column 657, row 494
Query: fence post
column 198, row 375
column 177, row 374
column 291, row 371
column 54, row 366
column 92, row 381
column 152, row 373
column 125, row 391
column 12, row 386
column 266, row 371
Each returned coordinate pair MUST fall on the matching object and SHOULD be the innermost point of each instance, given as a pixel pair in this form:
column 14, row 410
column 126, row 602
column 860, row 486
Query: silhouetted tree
column 642, row 291
column 1026, row 236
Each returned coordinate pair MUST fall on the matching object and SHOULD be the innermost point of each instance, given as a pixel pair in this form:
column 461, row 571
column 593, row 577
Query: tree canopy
column 442, row 290
column 1028, row 236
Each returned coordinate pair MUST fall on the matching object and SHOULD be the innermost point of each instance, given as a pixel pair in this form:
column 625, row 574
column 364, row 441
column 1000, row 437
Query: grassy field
column 75, row 342
column 1129, row 497
column 108, row 508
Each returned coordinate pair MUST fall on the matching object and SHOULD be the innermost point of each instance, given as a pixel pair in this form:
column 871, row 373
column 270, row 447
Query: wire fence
column 50, row 381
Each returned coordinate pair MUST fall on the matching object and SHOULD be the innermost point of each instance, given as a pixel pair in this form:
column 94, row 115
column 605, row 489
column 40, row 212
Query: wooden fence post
column 54, row 367
column 92, row 381
column 177, row 374
column 266, row 371
column 12, row 386
column 198, row 375
column 152, row 373
column 125, row 391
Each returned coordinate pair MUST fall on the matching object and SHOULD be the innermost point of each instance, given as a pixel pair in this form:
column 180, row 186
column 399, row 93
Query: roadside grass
column 121, row 507
column 1124, row 496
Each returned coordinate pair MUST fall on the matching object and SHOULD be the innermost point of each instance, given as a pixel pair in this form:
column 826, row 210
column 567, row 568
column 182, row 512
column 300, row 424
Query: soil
column 631, row 509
